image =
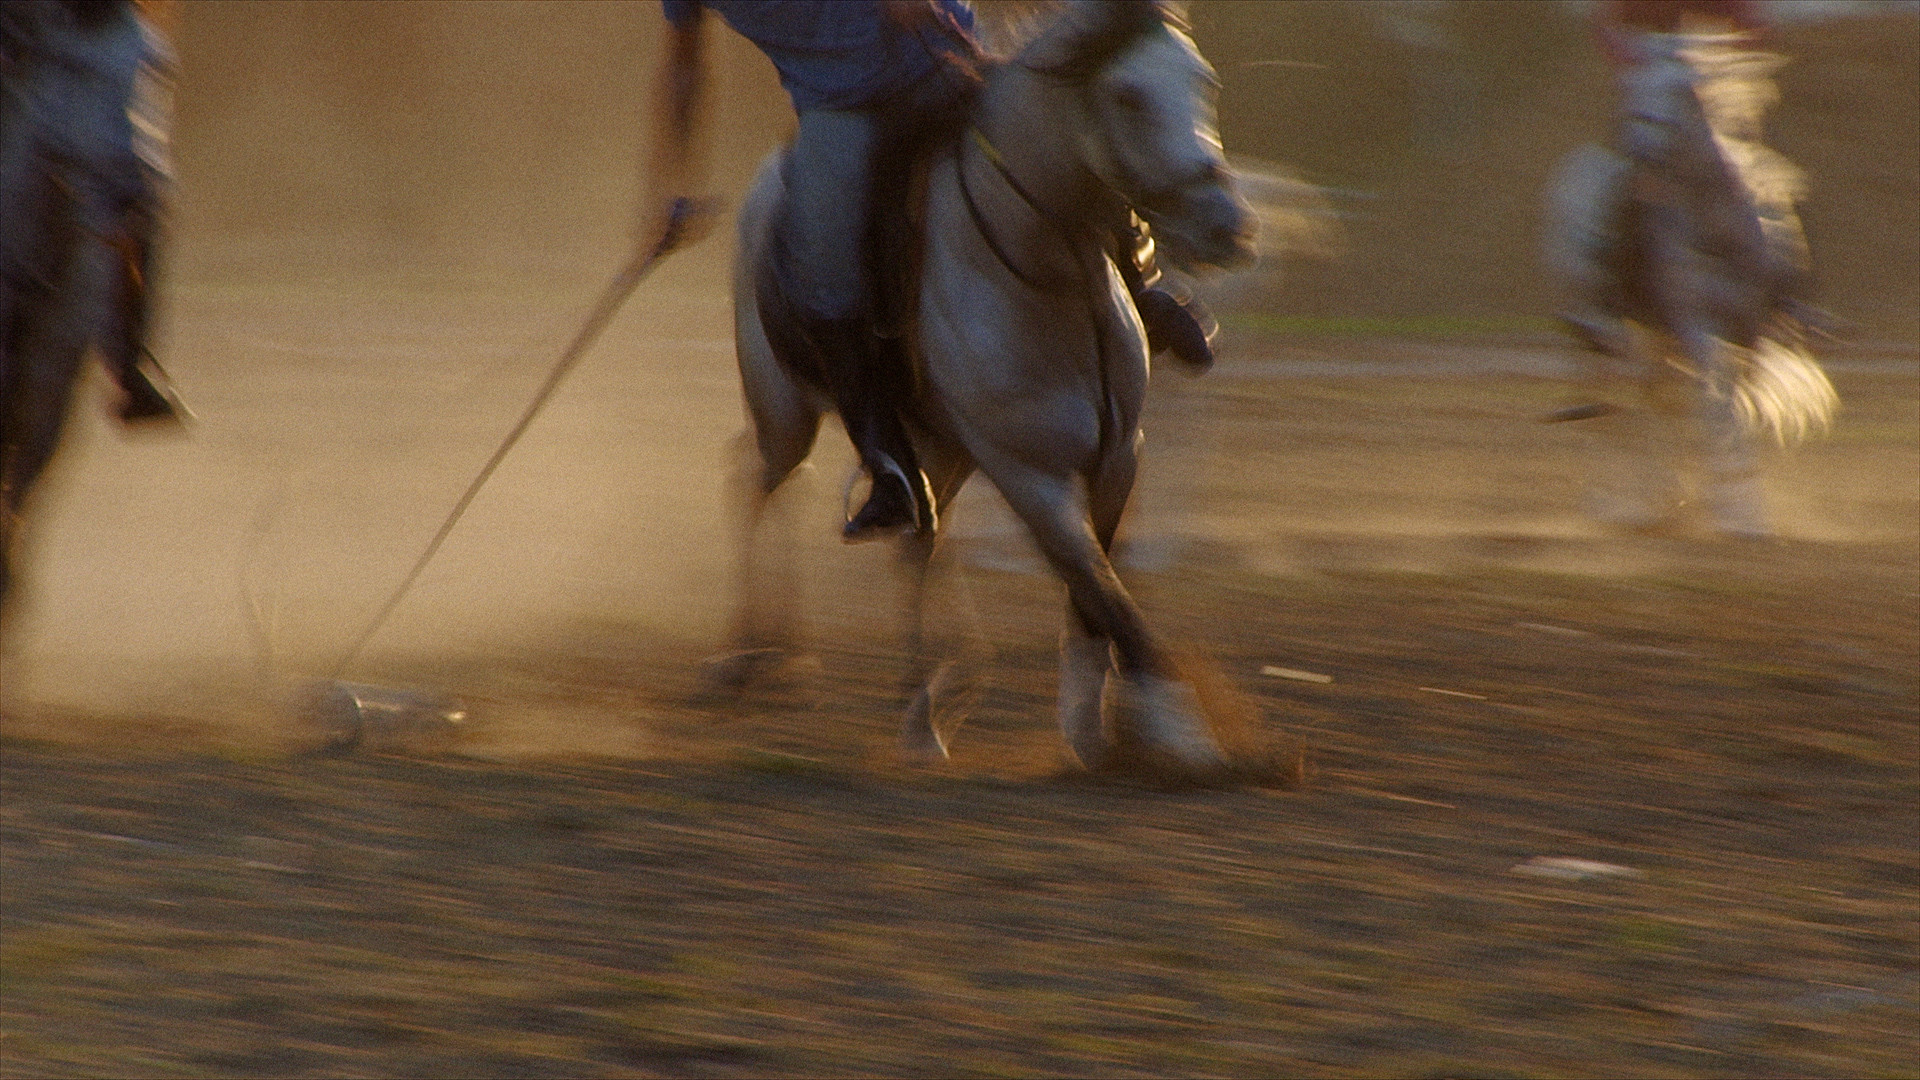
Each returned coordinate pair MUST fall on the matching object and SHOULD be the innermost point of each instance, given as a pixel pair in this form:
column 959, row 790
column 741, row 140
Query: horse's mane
column 1004, row 27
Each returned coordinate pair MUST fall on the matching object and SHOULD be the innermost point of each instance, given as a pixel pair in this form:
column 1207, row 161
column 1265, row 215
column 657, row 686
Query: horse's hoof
column 920, row 741
column 1172, row 732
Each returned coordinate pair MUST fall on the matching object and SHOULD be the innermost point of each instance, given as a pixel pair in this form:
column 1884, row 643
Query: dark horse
column 79, row 167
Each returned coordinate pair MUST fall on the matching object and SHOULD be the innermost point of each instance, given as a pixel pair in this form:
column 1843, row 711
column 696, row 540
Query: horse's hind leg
column 1086, row 662
column 783, row 423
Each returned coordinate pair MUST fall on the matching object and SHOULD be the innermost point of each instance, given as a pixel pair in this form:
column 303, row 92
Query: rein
column 999, row 163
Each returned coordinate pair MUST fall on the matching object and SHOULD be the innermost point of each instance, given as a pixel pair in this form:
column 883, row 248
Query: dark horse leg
column 49, row 319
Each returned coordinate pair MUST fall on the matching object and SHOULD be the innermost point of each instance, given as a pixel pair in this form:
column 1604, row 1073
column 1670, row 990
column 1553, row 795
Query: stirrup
column 920, row 509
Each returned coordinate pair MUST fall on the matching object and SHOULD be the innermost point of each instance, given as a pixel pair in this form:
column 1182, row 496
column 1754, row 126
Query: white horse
column 1031, row 362
column 1683, row 252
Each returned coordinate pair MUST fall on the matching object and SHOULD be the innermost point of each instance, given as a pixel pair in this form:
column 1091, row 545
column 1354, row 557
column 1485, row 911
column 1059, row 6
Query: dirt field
column 1579, row 804
column 614, row 875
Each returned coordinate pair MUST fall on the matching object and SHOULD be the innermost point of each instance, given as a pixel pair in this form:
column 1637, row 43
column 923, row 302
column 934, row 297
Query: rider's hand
column 688, row 220
column 910, row 15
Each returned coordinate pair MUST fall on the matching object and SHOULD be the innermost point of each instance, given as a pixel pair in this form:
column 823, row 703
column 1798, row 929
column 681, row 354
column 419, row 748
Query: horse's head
column 1148, row 126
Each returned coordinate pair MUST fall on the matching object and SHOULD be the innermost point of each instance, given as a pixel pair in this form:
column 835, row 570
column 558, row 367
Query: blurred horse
column 1683, row 251
column 82, row 158
column 1030, row 360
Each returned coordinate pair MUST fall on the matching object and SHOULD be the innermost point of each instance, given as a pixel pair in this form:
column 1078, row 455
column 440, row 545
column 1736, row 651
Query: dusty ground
column 613, row 875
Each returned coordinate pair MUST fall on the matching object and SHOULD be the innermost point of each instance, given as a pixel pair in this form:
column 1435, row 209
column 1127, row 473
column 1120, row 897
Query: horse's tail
column 1782, row 391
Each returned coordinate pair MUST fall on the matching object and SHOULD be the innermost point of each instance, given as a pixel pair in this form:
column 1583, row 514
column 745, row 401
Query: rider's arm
column 678, row 165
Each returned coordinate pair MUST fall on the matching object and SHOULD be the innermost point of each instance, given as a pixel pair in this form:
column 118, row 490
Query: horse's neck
column 1029, row 122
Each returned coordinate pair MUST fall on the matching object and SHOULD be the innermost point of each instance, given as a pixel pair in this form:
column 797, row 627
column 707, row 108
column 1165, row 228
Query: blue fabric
column 834, row 54
column 829, row 197
column 75, row 85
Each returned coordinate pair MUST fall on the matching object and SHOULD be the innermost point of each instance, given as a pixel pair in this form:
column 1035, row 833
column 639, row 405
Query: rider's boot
column 150, row 397
column 867, row 390
column 1181, row 327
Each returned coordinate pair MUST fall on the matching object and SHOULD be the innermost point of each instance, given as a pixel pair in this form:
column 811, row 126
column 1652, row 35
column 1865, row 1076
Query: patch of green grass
column 1649, row 935
column 775, row 763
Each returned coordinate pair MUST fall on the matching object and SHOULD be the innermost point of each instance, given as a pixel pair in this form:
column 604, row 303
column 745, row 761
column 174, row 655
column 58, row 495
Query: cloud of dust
column 389, row 221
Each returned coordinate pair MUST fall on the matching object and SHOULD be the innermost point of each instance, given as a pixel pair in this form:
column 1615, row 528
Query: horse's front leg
column 1074, row 527
column 1731, row 495
column 1165, row 712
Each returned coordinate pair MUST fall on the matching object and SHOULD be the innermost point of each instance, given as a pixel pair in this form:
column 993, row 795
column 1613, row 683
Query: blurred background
column 1582, row 803
column 440, row 140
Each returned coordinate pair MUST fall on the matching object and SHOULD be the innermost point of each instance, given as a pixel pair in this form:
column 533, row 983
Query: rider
column 1620, row 26
column 871, row 81
column 85, row 107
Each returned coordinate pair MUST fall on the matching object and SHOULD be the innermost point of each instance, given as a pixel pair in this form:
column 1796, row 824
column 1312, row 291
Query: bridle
column 1151, row 201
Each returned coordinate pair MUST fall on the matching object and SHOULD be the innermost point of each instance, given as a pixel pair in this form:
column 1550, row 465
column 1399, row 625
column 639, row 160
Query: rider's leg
column 829, row 202
column 123, row 340
column 1181, row 327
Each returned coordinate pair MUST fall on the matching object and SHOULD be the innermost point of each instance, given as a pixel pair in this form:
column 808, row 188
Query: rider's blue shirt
column 835, row 54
